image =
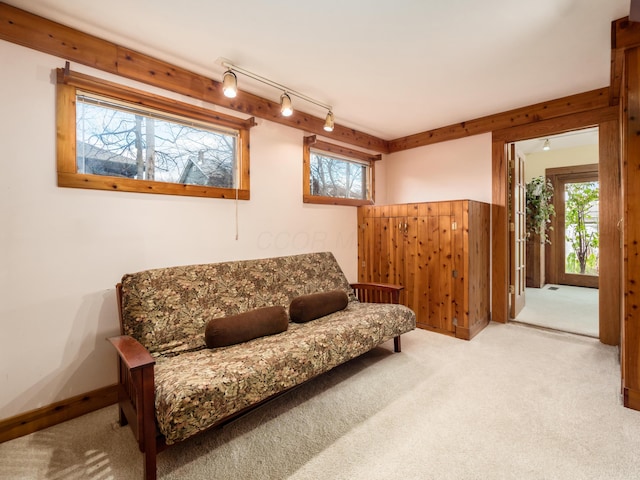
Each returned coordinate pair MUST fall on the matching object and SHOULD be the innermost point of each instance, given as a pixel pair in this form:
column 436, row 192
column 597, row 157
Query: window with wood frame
column 112, row 137
column 337, row 175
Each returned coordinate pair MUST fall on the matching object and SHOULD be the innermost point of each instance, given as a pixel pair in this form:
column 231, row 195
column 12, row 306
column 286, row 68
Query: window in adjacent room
column 337, row 175
column 116, row 138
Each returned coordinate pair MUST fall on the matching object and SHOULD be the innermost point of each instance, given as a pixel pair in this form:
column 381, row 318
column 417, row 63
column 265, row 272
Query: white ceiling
column 389, row 68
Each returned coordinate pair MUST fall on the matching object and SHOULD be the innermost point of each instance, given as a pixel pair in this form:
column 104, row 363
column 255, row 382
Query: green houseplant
column 539, row 210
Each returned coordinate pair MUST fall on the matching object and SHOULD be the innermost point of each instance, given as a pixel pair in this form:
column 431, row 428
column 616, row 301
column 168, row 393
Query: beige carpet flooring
column 514, row 403
column 562, row 307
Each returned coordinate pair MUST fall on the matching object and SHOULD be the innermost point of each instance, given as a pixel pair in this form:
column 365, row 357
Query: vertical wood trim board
column 631, row 346
column 610, row 264
column 499, row 234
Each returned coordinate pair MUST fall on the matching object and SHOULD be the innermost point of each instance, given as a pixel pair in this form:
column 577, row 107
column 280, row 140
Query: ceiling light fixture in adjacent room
column 230, row 88
column 546, row 145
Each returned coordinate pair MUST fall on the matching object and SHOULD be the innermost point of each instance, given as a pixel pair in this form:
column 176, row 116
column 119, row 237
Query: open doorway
column 609, row 171
column 562, row 272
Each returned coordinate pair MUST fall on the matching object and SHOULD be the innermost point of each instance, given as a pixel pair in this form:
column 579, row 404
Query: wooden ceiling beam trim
column 617, row 64
column 554, row 126
column 313, row 142
column 32, row 31
column 625, row 34
column 580, row 102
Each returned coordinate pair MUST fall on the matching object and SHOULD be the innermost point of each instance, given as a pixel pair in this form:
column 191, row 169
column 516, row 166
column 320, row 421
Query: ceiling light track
column 230, row 89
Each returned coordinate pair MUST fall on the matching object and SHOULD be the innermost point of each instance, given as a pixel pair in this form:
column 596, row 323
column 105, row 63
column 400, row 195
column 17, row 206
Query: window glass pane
column 122, row 141
column 582, row 238
column 336, row 177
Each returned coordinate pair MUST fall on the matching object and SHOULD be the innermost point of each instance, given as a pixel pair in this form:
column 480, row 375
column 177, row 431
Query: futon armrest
column 377, row 292
column 132, row 353
column 136, row 397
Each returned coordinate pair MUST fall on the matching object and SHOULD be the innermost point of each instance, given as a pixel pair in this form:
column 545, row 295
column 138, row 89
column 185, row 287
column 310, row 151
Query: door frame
column 607, row 120
column 555, row 261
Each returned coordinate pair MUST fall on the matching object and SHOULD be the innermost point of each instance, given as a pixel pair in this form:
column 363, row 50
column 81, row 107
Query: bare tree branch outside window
column 336, row 177
column 119, row 141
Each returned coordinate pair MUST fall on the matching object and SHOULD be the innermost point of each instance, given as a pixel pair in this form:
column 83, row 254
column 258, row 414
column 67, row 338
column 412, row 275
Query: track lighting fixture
column 285, row 105
column 230, row 89
column 229, row 84
column 546, row 145
column 328, row 122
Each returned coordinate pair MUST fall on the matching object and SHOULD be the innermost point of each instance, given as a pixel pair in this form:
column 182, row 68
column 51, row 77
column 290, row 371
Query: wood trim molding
column 631, row 398
column 581, row 102
column 555, row 255
column 58, row 412
column 70, row 84
column 499, row 234
column 631, row 230
column 467, row 333
column 617, row 67
column 32, row 31
column 566, row 123
column 590, row 168
column 611, row 285
column 625, row 34
column 349, row 202
column 310, row 142
column 607, row 119
column 145, row 99
column 313, row 142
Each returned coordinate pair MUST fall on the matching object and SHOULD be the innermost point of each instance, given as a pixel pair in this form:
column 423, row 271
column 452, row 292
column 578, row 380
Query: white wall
column 536, row 163
column 454, row 170
column 62, row 250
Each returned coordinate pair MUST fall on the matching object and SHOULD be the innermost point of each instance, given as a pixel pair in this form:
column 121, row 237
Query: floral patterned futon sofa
column 172, row 385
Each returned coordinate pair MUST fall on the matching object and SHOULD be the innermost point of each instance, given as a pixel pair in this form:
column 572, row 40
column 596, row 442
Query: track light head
column 546, row 145
column 230, row 89
column 328, row 122
column 285, row 104
column 229, row 84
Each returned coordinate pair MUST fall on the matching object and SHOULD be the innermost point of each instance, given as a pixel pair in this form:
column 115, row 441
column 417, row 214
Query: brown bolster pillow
column 316, row 305
column 224, row 331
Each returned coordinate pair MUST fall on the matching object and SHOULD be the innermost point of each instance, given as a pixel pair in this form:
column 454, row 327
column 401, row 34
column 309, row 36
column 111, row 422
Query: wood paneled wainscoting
column 439, row 253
